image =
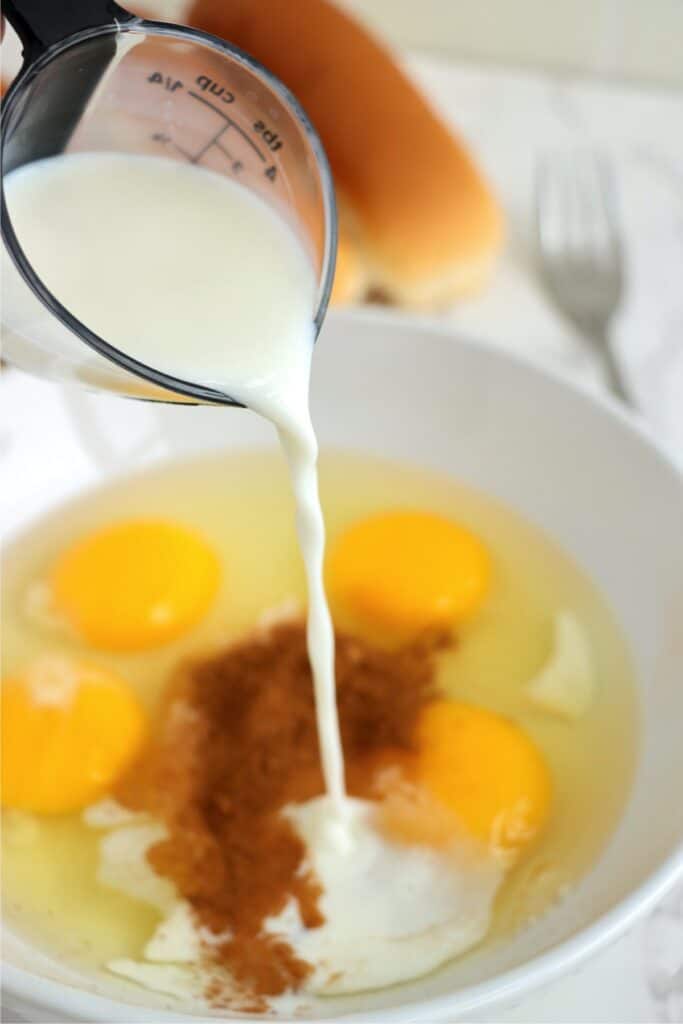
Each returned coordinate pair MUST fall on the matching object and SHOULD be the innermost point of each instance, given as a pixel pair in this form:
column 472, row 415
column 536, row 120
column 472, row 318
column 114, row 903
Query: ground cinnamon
column 237, row 741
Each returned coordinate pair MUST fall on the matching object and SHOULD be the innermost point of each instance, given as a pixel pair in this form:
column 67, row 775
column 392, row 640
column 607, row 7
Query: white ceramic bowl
column 580, row 468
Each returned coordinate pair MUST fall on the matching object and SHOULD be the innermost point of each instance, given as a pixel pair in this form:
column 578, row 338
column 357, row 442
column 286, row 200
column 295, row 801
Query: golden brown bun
column 429, row 226
column 351, row 280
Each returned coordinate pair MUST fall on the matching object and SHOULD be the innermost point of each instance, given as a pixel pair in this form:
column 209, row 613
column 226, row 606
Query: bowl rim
column 563, row 956
column 80, row 1004
column 630, row 417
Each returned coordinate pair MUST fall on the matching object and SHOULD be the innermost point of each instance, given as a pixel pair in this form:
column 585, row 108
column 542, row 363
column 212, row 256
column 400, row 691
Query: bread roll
column 429, row 226
column 351, row 278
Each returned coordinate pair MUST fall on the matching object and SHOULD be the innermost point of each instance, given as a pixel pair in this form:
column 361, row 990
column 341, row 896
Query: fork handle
column 615, row 377
column 601, row 335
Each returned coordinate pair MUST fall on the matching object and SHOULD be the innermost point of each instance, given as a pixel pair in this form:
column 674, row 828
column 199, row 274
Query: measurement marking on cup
column 210, row 143
column 165, row 139
column 170, row 84
column 233, row 124
column 183, row 152
column 268, row 134
column 226, row 152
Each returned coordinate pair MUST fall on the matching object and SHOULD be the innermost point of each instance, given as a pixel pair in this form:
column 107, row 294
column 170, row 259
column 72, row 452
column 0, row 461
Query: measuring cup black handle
column 42, row 23
column 56, row 108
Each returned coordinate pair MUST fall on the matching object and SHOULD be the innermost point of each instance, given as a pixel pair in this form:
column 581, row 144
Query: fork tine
column 591, row 218
column 608, row 185
column 578, row 240
column 578, row 208
column 600, row 226
column 550, row 208
column 576, row 217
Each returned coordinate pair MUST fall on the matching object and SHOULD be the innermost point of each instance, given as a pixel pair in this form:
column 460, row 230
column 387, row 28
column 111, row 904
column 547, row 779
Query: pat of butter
column 565, row 686
column 176, row 939
column 124, row 866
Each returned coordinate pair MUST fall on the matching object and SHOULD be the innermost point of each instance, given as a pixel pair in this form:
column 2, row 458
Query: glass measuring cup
column 97, row 78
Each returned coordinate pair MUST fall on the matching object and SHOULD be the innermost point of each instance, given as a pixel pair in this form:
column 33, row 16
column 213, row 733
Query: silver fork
column 580, row 247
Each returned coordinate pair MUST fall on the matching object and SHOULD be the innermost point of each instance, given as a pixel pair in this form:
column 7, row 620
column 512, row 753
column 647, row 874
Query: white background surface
column 637, row 39
column 640, row 40
column 510, row 119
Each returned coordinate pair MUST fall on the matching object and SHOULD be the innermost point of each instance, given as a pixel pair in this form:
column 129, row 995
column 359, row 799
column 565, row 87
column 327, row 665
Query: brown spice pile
column 237, row 741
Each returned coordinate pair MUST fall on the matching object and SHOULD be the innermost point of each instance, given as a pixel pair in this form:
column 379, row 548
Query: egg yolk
column 485, row 770
column 69, row 731
column 135, row 584
column 403, row 572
